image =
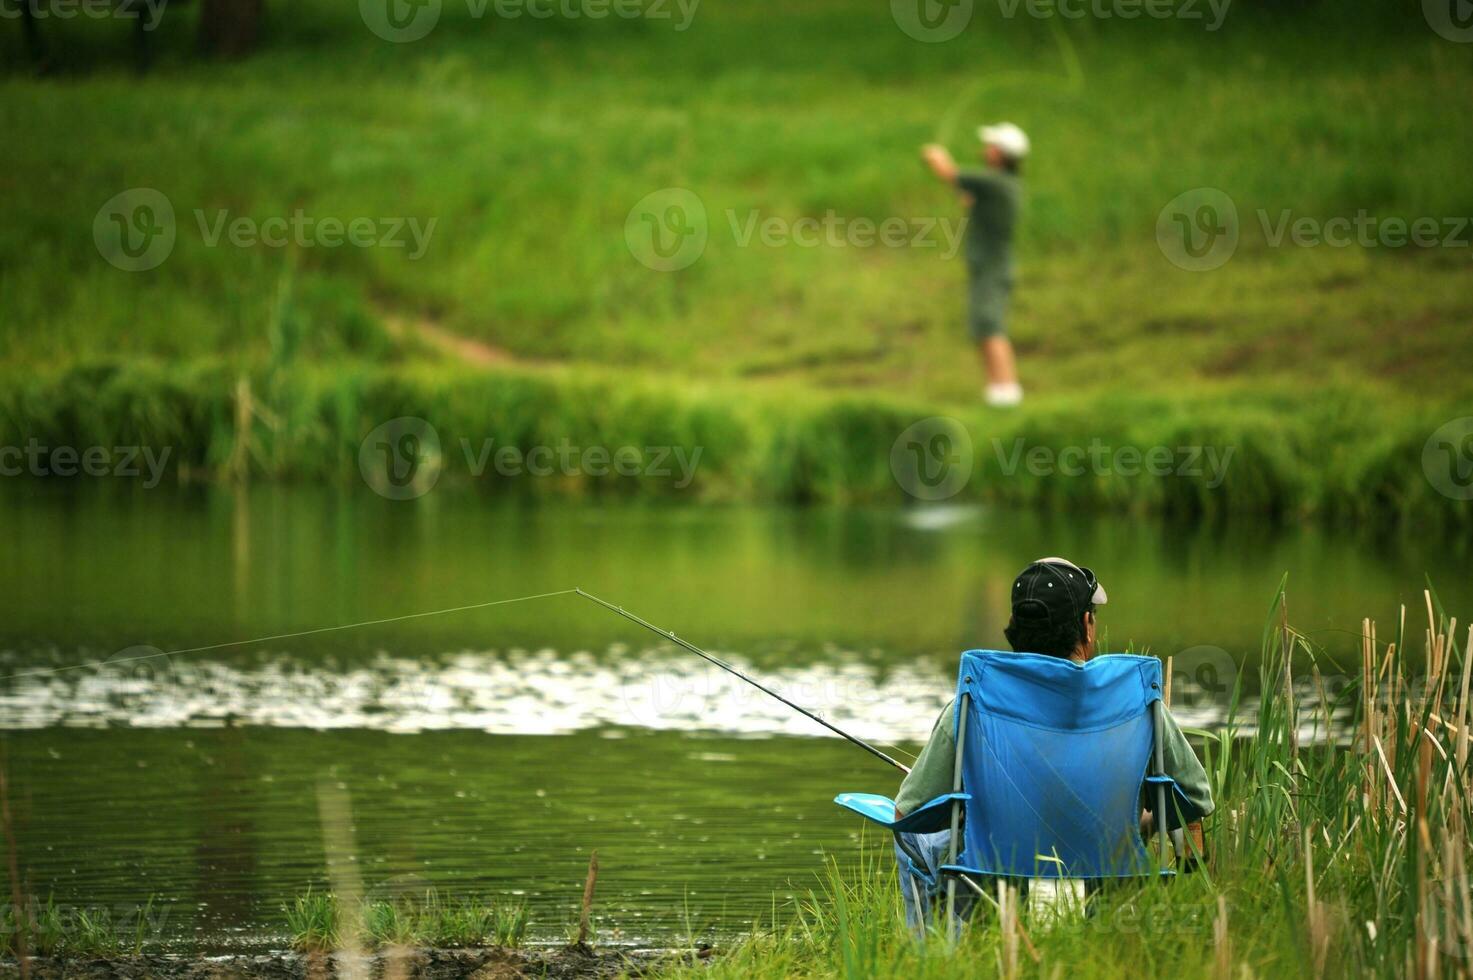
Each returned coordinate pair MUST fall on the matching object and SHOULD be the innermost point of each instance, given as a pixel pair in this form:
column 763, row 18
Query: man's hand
column 939, row 160
column 1195, row 842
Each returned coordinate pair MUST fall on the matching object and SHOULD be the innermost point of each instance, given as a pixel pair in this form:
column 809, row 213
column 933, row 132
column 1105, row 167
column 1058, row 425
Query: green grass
column 316, row 922
column 312, row 921
column 1276, row 457
column 1323, row 861
column 529, row 142
column 55, row 930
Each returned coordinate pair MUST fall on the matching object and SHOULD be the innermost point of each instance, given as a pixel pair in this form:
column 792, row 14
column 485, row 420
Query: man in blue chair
column 1053, row 613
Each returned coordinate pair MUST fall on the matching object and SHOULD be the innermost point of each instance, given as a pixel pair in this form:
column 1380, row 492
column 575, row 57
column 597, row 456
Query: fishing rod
column 620, row 610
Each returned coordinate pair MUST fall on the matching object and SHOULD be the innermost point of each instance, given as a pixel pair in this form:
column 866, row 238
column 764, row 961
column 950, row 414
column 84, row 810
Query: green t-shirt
column 995, row 200
column 934, row 770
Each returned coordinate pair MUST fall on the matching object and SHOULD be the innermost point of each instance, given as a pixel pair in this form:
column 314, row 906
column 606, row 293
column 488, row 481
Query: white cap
column 1008, row 138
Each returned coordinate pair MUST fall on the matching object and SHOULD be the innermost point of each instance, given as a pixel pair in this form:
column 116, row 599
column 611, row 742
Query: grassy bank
column 317, row 921
column 1350, row 861
column 62, row 931
column 1253, row 452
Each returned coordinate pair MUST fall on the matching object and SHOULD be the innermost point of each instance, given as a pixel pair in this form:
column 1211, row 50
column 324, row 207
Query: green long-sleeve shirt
column 934, row 769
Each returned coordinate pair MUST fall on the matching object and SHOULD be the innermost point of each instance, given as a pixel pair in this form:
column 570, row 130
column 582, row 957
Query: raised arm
column 939, row 160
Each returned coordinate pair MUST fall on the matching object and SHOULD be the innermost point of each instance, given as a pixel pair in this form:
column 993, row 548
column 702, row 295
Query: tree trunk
column 228, row 28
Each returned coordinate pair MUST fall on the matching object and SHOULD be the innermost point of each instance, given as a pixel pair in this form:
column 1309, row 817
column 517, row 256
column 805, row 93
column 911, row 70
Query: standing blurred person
column 993, row 195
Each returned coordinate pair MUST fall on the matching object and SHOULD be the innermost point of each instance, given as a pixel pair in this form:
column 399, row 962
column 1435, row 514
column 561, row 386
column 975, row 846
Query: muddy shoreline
column 577, row 962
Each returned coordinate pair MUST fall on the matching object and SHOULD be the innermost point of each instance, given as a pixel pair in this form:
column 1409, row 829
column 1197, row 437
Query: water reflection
column 486, row 752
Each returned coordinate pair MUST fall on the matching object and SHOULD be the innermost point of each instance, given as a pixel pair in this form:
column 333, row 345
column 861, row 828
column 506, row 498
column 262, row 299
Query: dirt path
column 464, row 349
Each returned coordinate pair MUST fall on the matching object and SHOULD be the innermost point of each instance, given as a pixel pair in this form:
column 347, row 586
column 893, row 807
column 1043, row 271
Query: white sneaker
column 1003, row 395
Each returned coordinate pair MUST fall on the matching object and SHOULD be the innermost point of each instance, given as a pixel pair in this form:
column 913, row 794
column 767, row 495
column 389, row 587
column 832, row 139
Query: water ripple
column 502, row 692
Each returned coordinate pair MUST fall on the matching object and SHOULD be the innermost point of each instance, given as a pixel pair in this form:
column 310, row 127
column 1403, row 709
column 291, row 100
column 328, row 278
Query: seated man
column 1053, row 613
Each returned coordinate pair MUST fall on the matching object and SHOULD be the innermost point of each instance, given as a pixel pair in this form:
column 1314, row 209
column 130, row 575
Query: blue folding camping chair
column 1051, row 760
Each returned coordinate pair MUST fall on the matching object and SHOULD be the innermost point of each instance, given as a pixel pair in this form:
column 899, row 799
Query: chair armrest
column 934, row 816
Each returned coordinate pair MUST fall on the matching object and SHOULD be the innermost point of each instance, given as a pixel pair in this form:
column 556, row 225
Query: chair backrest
column 1054, row 754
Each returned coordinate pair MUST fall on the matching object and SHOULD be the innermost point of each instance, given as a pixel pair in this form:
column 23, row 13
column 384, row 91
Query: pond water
column 486, row 752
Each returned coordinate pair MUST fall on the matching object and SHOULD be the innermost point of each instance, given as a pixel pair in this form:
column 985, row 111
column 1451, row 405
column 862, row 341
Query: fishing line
column 1073, row 81
column 289, row 636
column 619, row 610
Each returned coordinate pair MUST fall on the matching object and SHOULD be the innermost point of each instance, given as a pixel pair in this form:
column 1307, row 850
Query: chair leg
column 1163, row 835
column 956, row 787
column 920, row 907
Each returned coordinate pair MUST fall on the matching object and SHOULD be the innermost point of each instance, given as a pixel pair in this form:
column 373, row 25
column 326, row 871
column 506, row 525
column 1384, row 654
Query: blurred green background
column 527, row 150
column 529, row 141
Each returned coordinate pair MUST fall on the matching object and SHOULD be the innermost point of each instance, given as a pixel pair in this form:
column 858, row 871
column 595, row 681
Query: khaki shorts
column 987, row 307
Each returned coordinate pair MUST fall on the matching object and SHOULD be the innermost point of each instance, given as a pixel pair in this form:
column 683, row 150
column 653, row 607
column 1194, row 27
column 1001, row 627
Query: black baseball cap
column 1055, row 590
